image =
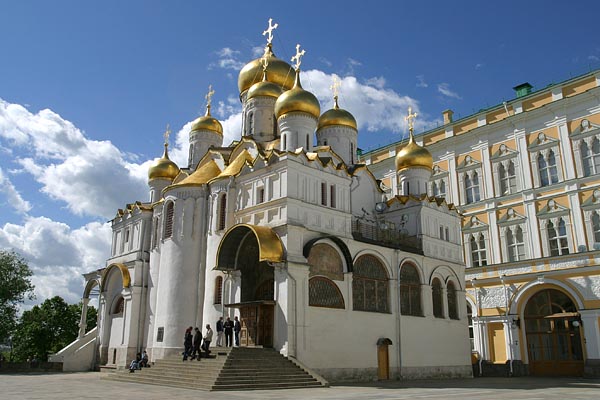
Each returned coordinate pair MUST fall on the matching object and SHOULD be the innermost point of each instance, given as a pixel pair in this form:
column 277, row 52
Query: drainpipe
column 479, row 334
column 510, row 341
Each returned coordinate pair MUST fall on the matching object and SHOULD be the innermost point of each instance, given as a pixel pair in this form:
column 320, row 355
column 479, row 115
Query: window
column 222, row 212
column 471, row 326
column 260, row 195
column 284, row 147
column 452, row 303
column 323, row 194
column 434, row 190
column 370, row 285
column 118, row 305
column 441, row 232
column 218, row 298
column 160, row 334
column 590, row 157
column 250, row 123
column 323, row 292
column 478, row 252
column 596, row 226
column 351, row 153
column 447, row 234
column 442, row 189
column 332, row 196
column 515, row 244
column 438, row 301
column 547, row 169
column 155, row 234
column 410, row 291
column 557, row 238
column 472, row 188
column 169, row 214
column 508, row 178
column 307, row 143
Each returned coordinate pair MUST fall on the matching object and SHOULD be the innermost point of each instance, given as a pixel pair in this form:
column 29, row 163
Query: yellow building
column 525, row 175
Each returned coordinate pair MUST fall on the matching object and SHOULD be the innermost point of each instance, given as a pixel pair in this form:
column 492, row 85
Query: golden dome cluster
column 163, row 168
column 297, row 100
column 412, row 155
column 279, row 72
column 337, row 116
column 264, row 88
column 207, row 123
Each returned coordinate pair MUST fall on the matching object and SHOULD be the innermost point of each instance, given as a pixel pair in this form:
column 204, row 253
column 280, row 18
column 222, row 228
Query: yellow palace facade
column 525, row 176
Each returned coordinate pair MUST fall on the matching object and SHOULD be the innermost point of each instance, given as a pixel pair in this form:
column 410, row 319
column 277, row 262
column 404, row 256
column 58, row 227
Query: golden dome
column 163, row 168
column 412, row 155
column 280, row 72
column 207, row 123
column 336, row 116
column 264, row 88
column 297, row 100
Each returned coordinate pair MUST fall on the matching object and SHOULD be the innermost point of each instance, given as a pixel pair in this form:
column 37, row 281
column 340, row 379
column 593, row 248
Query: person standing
column 197, row 342
column 237, row 327
column 187, row 343
column 220, row 332
column 207, row 339
column 228, row 326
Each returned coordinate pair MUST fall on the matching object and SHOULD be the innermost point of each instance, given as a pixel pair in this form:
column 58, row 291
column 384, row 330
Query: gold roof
column 264, row 88
column 412, row 155
column 297, row 100
column 163, row 168
column 279, row 72
column 269, row 245
column 336, row 116
column 236, row 165
column 126, row 278
column 207, row 123
column 202, row 175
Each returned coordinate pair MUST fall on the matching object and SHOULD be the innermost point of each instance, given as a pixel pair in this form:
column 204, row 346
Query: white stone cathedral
column 293, row 237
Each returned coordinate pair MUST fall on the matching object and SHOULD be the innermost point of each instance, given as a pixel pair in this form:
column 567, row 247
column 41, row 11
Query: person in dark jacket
column 196, row 343
column 187, row 343
column 237, row 327
column 228, row 326
column 220, row 332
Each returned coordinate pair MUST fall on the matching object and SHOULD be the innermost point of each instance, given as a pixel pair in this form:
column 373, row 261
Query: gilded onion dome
column 412, row 155
column 163, row 168
column 280, row 72
column 207, row 123
column 264, row 88
column 336, row 116
column 297, row 100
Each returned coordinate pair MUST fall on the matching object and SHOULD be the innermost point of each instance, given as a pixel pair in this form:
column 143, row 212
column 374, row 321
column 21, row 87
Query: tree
column 15, row 287
column 47, row 328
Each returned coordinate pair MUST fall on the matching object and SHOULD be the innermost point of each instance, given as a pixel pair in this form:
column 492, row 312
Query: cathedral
column 286, row 230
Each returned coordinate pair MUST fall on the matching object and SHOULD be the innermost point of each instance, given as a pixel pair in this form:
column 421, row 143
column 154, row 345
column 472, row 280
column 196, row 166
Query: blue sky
column 86, row 89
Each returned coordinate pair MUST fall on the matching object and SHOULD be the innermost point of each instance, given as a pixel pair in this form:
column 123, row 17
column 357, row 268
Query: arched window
column 222, row 212
column 596, row 226
column 169, row 214
column 547, row 169
column 118, row 305
column 515, row 244
column 442, row 188
column 250, row 123
column 323, row 292
column 557, row 238
column 452, row 303
column 508, row 178
column 218, row 290
column 370, row 285
column 478, row 252
column 438, row 301
column 410, row 291
column 472, row 188
column 590, row 157
column 434, row 189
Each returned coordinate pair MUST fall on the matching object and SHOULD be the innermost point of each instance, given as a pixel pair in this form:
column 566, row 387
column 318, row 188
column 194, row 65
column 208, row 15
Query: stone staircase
column 239, row 368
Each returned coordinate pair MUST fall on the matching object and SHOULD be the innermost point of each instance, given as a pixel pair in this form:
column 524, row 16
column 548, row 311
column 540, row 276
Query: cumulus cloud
column 421, row 81
column 13, row 197
column 228, row 59
column 479, row 65
column 444, row 88
column 57, row 254
column 92, row 177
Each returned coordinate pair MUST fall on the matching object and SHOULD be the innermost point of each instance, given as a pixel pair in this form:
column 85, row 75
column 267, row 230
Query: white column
column 534, row 231
column 488, row 177
column 578, row 225
column 496, row 254
column 83, row 319
column 568, row 163
column 589, row 321
column 524, row 159
column 453, row 181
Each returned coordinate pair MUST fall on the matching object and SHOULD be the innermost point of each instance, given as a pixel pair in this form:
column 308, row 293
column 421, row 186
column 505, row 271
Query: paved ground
column 87, row 385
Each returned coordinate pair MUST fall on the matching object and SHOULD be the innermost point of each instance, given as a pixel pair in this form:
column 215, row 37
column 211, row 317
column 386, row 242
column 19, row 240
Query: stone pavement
column 87, row 385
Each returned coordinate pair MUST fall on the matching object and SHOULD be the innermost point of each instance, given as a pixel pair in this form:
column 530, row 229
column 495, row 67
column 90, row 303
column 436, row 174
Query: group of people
column 141, row 361
column 228, row 328
column 192, row 343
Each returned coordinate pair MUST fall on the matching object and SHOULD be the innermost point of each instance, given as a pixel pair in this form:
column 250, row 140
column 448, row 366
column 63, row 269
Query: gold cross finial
column 265, row 63
column 298, row 57
column 269, row 31
column 410, row 120
column 166, row 135
column 335, row 88
column 209, row 95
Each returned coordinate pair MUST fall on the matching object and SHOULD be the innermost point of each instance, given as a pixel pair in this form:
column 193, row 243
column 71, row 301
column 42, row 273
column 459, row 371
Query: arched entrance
column 553, row 332
column 252, row 250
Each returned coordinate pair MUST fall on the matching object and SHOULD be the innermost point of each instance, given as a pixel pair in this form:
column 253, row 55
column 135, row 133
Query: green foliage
column 47, row 328
column 15, row 286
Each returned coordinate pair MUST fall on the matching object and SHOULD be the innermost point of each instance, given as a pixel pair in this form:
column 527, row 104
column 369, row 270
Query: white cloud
column 479, row 65
column 228, row 59
column 593, row 58
column 13, row 197
column 421, row 81
column 379, row 82
column 92, row 177
column 444, row 88
column 57, row 254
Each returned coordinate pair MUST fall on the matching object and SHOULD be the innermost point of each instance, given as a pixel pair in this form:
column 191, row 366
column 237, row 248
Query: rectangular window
column 160, row 334
column 260, row 195
column 323, row 194
column 441, row 232
column 332, row 196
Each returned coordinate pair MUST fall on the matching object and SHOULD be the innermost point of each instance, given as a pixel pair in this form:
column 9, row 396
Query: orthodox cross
column 334, row 87
column 410, row 120
column 167, row 134
column 265, row 63
column 209, row 95
column 269, row 31
column 298, row 57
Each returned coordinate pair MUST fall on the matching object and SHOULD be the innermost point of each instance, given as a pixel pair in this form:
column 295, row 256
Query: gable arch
column 123, row 270
column 444, row 277
column 415, row 264
column 337, row 243
column 380, row 257
column 525, row 292
column 89, row 286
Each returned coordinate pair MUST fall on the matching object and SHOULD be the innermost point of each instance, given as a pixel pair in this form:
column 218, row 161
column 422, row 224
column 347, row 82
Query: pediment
column 468, row 163
column 474, row 225
column 585, row 128
column 438, row 172
column 503, row 152
column 542, row 141
column 511, row 217
column 593, row 201
column 552, row 209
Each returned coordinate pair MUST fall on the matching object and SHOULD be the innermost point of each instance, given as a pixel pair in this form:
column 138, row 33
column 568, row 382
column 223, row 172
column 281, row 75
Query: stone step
column 264, row 380
column 268, row 386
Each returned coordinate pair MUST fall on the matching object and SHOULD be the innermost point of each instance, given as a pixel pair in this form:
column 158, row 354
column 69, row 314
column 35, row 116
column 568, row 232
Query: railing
column 385, row 234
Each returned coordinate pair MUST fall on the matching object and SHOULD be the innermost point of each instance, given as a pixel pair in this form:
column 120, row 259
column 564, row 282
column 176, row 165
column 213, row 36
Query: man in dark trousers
column 220, row 332
column 237, row 327
column 197, row 343
column 228, row 326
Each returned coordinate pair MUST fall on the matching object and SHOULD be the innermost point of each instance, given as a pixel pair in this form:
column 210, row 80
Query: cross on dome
column 166, row 135
column 269, row 31
column 410, row 120
column 298, row 57
column 335, row 89
column 209, row 96
column 265, row 63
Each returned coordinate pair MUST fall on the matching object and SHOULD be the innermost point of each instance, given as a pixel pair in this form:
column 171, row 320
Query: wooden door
column 265, row 325
column 383, row 362
column 497, row 342
column 248, row 317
